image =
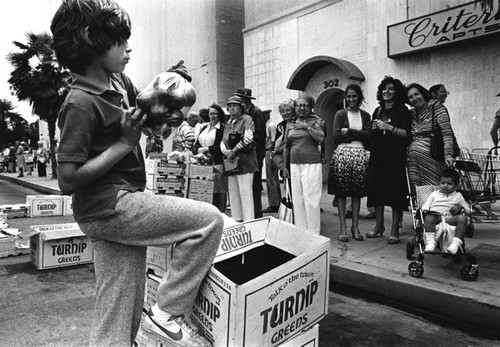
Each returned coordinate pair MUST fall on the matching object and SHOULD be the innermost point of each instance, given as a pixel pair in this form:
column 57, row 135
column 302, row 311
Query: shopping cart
column 480, row 181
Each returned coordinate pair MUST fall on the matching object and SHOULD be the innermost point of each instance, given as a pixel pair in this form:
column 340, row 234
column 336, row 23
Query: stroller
column 468, row 272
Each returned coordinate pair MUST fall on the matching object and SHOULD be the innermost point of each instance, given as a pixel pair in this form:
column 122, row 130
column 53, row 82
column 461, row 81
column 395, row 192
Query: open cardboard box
column 269, row 281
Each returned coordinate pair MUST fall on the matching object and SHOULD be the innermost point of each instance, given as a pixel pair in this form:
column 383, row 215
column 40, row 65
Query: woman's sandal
column 393, row 240
column 343, row 238
column 358, row 236
column 375, row 233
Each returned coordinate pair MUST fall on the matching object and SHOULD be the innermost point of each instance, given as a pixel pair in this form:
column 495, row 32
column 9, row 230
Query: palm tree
column 13, row 127
column 40, row 80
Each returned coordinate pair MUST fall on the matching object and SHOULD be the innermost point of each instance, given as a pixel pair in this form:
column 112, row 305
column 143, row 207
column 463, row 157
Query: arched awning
column 308, row 68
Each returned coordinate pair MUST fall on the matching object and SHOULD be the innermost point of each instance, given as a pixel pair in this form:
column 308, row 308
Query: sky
column 17, row 18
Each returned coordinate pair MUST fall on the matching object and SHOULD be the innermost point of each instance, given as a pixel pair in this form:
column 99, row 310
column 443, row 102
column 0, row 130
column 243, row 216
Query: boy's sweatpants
column 120, row 243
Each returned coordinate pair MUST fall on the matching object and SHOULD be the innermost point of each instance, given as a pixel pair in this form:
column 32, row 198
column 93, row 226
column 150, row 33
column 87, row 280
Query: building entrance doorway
column 327, row 104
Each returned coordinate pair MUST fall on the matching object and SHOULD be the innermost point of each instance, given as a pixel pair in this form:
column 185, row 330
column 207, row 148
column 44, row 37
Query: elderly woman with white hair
column 237, row 142
column 303, row 138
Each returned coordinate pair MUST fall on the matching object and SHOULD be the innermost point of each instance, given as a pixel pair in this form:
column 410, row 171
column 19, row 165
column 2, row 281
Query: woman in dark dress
column 391, row 129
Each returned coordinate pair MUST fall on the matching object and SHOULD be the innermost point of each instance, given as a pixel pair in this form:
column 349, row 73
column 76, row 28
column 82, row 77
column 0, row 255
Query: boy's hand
column 131, row 126
column 456, row 209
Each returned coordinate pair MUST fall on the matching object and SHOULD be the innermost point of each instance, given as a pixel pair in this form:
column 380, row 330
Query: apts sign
column 449, row 26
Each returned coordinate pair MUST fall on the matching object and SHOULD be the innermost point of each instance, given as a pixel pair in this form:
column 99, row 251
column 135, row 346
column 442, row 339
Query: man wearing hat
column 260, row 144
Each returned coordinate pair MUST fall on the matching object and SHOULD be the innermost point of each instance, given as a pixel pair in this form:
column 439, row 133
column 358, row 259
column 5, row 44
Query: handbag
column 235, row 138
column 285, row 211
column 232, row 167
column 437, row 142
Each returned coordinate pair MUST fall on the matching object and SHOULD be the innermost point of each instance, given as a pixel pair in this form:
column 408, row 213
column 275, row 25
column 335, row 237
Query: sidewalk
column 375, row 266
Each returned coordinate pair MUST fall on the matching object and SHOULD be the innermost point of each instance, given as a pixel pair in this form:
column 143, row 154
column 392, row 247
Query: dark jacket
column 341, row 120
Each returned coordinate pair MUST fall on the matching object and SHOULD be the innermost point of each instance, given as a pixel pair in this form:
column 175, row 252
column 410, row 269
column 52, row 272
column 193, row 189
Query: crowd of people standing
column 22, row 158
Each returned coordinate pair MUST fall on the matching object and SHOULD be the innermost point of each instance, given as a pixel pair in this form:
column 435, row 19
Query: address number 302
column 331, row 83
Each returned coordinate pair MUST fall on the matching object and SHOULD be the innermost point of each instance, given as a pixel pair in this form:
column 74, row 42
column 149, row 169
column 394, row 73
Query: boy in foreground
column 101, row 164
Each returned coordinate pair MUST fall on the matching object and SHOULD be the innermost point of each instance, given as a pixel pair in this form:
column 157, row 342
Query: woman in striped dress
column 422, row 168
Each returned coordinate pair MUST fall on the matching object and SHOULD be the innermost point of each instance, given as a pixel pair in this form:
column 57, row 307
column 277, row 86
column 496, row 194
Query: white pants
column 241, row 197
column 307, row 181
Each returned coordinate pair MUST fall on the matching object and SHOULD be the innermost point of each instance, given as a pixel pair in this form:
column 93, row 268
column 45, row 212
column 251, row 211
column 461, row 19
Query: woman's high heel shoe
column 375, row 233
column 343, row 238
column 358, row 236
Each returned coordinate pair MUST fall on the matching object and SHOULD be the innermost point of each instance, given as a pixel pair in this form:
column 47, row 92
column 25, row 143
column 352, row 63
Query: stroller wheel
column 469, row 273
column 416, row 269
column 409, row 250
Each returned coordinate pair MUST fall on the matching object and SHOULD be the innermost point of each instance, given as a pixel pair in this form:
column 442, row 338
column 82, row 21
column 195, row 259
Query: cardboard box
column 44, row 205
column 152, row 283
column 14, row 211
column 306, row 338
column 158, row 182
column 67, row 205
column 280, row 290
column 157, row 260
column 201, row 172
column 177, row 193
column 197, row 186
column 269, row 281
column 57, row 245
column 163, row 167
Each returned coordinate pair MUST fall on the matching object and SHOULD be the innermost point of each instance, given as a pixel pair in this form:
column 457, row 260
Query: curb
column 466, row 309
column 35, row 186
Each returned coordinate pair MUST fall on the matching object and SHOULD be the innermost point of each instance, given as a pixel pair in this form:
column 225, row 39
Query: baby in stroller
column 445, row 207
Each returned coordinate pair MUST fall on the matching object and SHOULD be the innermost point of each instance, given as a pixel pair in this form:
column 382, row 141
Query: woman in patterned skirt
column 348, row 168
column 422, row 168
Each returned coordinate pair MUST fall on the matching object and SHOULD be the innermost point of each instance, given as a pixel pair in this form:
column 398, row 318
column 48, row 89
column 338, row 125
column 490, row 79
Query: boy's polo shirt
column 89, row 120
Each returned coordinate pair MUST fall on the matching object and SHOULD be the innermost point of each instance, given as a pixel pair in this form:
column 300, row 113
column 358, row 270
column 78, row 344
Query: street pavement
column 381, row 269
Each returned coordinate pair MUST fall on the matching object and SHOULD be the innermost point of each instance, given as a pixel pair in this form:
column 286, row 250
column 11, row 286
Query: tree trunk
column 52, row 153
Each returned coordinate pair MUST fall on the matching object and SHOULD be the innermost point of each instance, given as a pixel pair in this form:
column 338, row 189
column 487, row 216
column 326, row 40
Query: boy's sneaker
column 455, row 245
column 176, row 330
column 430, row 242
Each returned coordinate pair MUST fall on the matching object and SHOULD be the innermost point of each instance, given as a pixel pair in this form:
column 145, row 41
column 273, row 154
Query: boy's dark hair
column 84, row 29
column 450, row 172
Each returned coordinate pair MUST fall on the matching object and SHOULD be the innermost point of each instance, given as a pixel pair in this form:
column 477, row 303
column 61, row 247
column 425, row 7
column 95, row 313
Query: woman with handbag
column 431, row 146
column 208, row 143
column 240, row 161
column 391, row 129
column 302, row 154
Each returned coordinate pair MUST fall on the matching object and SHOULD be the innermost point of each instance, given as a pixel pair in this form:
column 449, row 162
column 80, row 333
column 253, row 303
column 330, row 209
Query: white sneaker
column 455, row 245
column 176, row 330
column 430, row 247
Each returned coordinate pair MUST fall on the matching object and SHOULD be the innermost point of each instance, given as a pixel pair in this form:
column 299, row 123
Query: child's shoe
column 176, row 329
column 430, row 243
column 455, row 245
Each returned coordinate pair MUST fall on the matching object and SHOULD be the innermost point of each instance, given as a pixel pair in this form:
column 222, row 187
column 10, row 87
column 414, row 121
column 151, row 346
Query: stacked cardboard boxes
column 14, row 211
column 166, row 177
column 201, row 182
column 268, row 286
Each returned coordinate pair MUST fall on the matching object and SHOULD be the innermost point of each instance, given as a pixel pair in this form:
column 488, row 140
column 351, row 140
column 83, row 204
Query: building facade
column 320, row 46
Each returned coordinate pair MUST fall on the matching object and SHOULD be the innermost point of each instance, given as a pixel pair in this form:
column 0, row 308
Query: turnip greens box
column 268, row 282
column 57, row 245
column 44, row 205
